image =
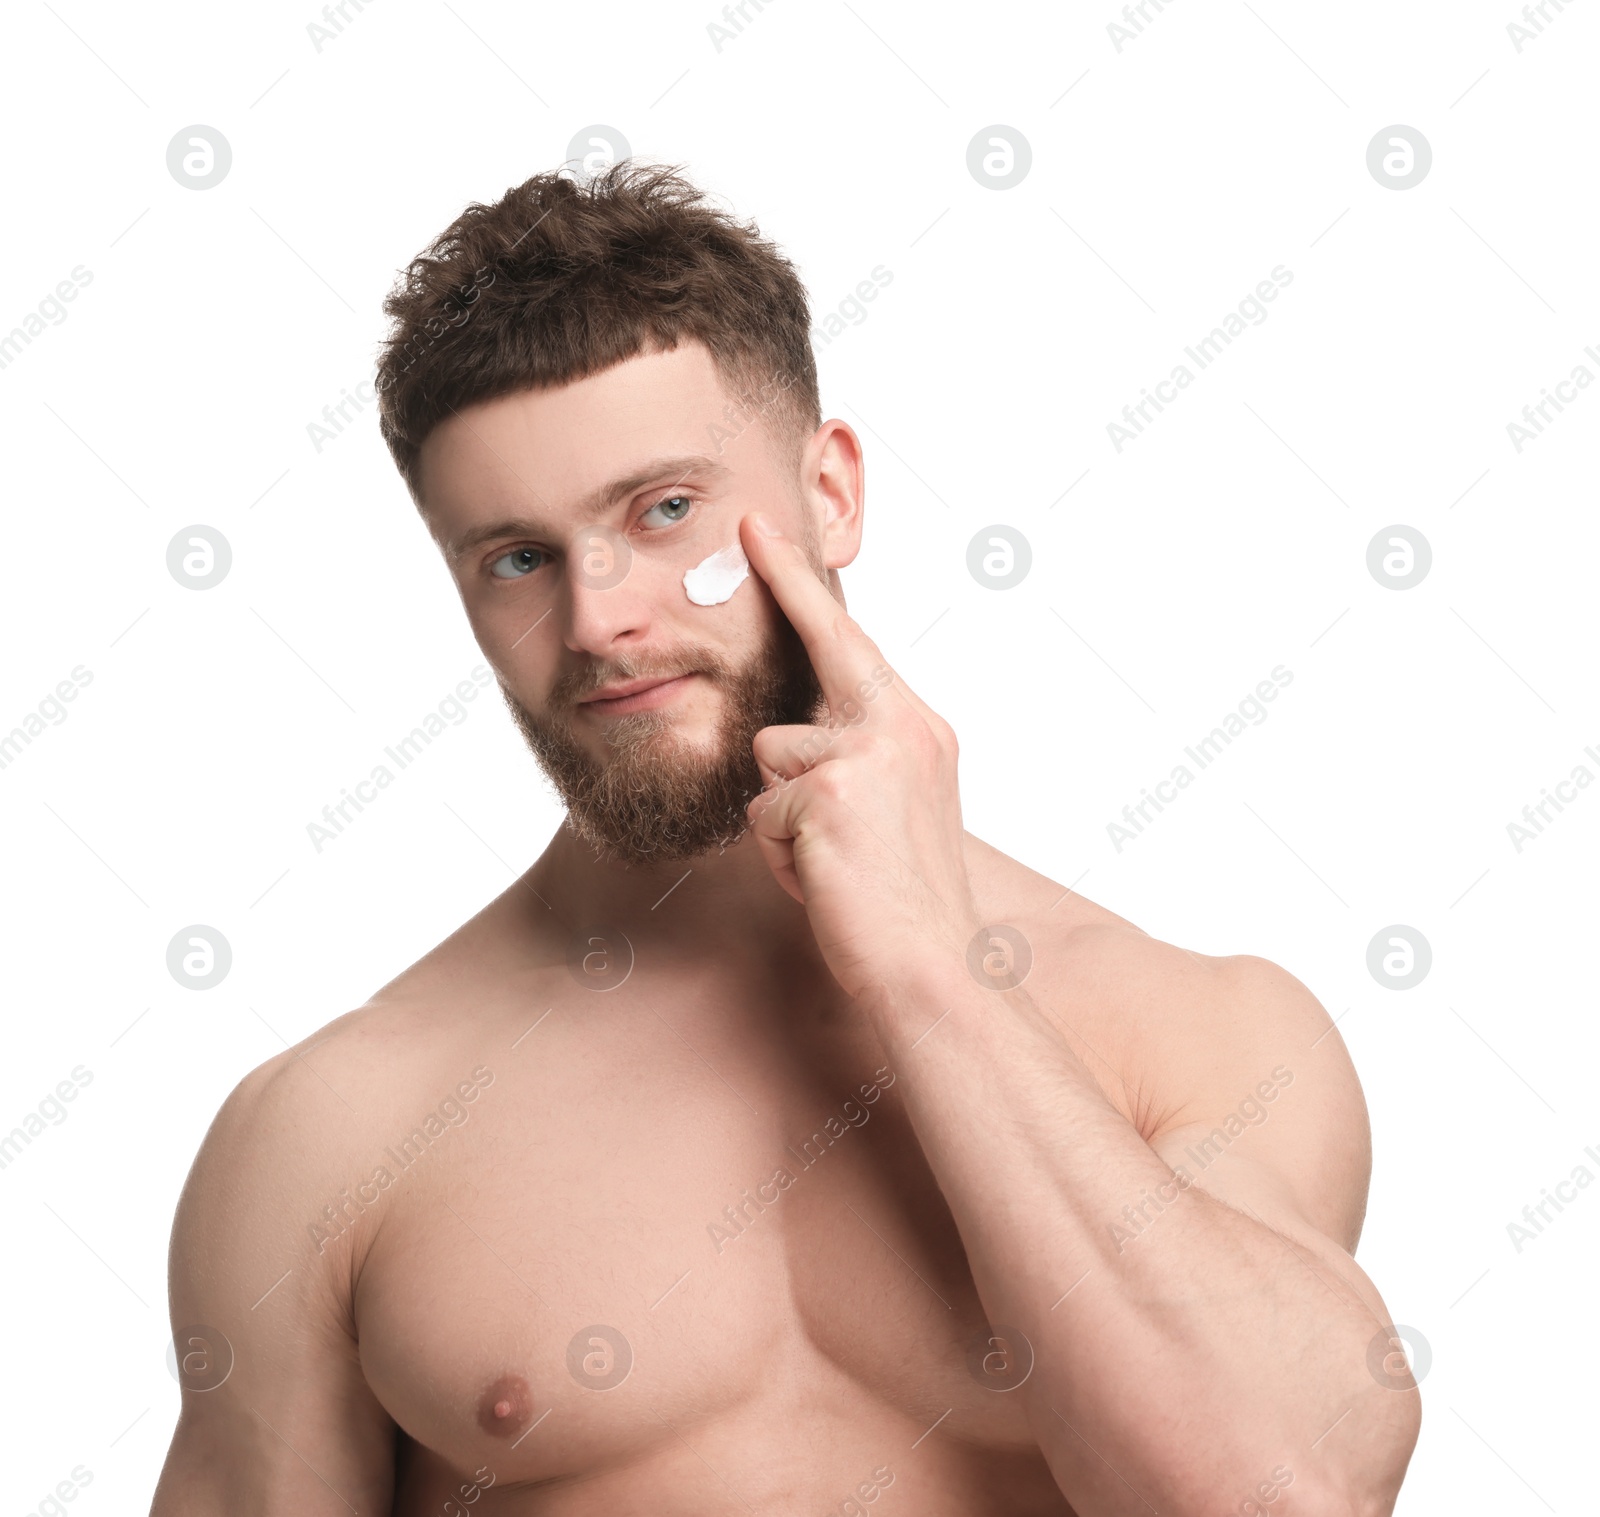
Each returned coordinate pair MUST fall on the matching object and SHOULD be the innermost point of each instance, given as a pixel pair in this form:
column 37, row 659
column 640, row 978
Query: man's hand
column 859, row 820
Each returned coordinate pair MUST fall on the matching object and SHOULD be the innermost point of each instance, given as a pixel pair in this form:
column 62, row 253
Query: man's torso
column 673, row 1246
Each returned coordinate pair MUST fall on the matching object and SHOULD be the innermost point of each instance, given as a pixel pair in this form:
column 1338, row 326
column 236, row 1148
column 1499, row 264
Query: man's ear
column 833, row 478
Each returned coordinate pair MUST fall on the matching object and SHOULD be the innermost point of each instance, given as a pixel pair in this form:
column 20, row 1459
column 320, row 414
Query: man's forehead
column 557, row 458
column 659, row 398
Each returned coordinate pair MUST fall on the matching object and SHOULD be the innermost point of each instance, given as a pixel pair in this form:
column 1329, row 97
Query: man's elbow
column 1367, row 1482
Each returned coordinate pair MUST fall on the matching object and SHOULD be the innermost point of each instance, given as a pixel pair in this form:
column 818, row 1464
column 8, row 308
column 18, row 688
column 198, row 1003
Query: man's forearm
column 1177, row 1374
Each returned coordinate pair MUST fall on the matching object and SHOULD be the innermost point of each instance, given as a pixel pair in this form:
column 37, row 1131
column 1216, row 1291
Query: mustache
column 572, row 686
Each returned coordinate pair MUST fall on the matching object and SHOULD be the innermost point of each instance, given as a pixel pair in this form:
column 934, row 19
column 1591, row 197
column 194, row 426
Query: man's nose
column 606, row 603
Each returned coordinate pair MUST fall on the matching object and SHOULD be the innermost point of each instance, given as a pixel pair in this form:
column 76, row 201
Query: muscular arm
column 1178, row 1371
column 1201, row 1333
column 293, row 1429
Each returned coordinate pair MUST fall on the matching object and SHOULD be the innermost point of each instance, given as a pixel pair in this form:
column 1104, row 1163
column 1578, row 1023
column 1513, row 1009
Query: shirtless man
column 773, row 1145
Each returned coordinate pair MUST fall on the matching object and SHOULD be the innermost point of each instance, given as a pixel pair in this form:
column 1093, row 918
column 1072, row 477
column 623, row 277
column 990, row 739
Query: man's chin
column 604, row 738
column 660, row 801
column 657, row 791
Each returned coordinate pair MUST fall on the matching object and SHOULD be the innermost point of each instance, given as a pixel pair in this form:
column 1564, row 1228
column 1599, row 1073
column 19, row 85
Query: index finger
column 844, row 657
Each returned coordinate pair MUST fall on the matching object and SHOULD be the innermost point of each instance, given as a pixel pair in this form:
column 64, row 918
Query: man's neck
column 701, row 902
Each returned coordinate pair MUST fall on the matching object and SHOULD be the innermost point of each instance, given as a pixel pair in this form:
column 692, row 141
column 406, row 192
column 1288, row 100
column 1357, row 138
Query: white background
column 1167, row 179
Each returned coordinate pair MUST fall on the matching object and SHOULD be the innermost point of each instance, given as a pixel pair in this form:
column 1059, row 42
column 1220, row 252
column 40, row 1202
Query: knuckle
column 845, row 628
column 923, row 741
column 831, row 782
column 876, row 746
column 810, row 748
column 761, row 813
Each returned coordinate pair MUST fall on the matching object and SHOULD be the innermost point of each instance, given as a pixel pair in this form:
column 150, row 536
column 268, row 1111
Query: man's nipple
column 505, row 1407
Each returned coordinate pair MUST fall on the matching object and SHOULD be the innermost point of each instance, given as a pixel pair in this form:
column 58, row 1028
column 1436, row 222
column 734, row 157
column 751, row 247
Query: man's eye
column 673, row 509
column 515, row 564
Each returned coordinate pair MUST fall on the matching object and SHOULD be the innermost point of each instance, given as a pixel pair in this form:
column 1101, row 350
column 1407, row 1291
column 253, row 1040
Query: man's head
column 586, row 388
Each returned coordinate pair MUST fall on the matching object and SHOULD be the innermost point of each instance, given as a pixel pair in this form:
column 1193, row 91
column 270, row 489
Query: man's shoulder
column 294, row 1120
column 1114, row 961
column 410, row 1033
column 1199, row 1049
column 1180, row 993
column 1173, row 1029
column 295, row 1139
column 301, row 1118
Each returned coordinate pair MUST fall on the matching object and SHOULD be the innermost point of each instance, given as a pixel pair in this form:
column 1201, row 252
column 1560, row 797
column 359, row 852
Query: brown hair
column 558, row 280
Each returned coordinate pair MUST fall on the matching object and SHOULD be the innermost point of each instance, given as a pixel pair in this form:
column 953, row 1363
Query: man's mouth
column 636, row 694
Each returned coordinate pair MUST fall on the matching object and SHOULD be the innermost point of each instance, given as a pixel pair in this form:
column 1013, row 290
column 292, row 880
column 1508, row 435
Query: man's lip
column 630, row 687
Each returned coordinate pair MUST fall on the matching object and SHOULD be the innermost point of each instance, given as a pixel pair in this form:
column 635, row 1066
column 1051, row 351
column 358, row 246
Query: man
column 773, row 1145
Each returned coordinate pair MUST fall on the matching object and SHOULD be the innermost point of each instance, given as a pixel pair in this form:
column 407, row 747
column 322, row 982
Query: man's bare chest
column 642, row 1240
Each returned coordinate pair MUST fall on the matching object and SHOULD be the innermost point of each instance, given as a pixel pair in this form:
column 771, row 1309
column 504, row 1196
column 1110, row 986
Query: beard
column 657, row 798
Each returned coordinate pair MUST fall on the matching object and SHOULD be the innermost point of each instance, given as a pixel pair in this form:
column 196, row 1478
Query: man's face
column 568, row 518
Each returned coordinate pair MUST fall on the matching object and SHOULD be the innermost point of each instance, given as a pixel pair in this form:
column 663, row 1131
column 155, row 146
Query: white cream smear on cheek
column 714, row 579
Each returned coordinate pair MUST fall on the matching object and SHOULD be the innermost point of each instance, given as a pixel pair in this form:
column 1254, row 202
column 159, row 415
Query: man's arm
column 293, row 1428
column 1179, row 1372
column 1199, row 1337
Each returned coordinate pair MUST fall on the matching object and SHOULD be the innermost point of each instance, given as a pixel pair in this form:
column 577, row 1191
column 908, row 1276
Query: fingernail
column 765, row 525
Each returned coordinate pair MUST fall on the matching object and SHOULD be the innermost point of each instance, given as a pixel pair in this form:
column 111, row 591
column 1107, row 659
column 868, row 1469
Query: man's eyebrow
column 598, row 502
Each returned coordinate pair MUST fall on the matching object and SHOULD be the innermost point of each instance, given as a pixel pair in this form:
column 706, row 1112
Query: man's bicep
column 277, row 1417
column 1270, row 1116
